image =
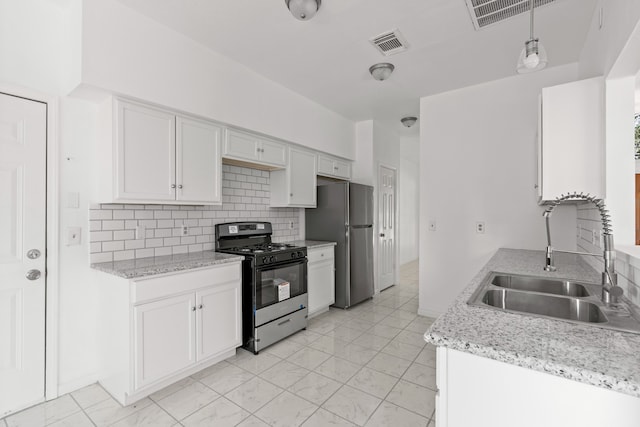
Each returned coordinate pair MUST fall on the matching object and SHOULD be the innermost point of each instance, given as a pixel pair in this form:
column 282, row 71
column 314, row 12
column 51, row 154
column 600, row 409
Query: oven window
column 280, row 283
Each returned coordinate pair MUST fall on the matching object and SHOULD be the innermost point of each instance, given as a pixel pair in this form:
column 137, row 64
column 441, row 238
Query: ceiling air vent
column 389, row 43
column 489, row 12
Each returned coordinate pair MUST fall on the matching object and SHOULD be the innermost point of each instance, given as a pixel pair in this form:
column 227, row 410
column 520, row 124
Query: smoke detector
column 389, row 43
column 488, row 12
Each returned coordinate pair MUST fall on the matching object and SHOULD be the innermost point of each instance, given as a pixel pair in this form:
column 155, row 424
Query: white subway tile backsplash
column 245, row 196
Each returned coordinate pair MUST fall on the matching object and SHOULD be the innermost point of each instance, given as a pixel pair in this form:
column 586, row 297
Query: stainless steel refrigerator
column 345, row 215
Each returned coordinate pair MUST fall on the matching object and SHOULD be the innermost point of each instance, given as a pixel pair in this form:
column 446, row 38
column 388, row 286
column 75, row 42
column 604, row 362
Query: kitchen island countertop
column 587, row 354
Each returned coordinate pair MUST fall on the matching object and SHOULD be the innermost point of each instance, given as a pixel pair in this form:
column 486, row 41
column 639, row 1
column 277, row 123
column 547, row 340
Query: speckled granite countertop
column 311, row 243
column 587, row 354
column 136, row 268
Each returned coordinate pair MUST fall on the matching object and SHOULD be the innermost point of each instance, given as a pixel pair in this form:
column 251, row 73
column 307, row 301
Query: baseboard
column 427, row 312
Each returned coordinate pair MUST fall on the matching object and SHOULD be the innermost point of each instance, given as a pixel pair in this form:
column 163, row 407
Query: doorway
column 23, row 203
column 386, row 226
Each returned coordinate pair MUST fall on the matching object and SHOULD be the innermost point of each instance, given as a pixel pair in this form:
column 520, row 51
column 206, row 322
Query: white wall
column 478, row 163
column 362, row 171
column 409, row 199
column 127, row 53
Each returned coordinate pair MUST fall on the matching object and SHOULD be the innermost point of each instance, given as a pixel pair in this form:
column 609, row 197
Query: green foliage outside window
column 637, row 117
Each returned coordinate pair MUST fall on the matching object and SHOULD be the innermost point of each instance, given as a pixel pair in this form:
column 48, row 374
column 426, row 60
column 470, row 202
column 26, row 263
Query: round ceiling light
column 381, row 71
column 408, row 121
column 303, row 9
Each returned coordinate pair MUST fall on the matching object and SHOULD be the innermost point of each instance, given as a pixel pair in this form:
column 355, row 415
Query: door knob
column 33, row 254
column 33, row 274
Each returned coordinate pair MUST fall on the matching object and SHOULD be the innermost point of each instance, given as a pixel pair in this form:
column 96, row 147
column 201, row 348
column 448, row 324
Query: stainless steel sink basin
column 545, row 305
column 554, row 298
column 538, row 284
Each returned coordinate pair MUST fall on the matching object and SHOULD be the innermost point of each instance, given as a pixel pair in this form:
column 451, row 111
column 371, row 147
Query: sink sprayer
column 610, row 289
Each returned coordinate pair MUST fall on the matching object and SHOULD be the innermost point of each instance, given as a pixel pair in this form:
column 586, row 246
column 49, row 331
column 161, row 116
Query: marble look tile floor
column 366, row 366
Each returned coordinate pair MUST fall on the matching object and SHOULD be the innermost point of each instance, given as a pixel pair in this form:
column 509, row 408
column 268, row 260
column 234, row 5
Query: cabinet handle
column 282, row 323
column 173, row 186
column 180, row 186
column 201, row 306
column 193, row 308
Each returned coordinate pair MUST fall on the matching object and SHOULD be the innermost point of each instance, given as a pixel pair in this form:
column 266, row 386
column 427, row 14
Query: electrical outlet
column 290, row 225
column 432, row 225
column 74, row 235
column 480, row 227
column 185, row 230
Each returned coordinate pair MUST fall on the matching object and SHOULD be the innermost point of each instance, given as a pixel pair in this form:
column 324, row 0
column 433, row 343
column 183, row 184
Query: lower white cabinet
column 469, row 384
column 155, row 331
column 321, row 279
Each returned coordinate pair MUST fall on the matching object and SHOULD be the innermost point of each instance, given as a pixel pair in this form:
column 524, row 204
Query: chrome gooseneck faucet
column 610, row 289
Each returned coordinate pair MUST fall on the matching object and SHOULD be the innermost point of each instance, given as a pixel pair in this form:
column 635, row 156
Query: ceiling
column 327, row 58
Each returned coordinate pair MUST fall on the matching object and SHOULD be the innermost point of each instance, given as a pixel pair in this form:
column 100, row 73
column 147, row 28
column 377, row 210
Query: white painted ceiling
column 327, row 58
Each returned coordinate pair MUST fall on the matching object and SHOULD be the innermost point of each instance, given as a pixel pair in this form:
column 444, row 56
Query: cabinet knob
column 201, row 306
column 180, row 186
column 193, row 308
column 290, row 194
column 173, row 186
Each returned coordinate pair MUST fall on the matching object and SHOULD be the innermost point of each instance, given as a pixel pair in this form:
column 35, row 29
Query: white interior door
column 23, row 139
column 386, row 227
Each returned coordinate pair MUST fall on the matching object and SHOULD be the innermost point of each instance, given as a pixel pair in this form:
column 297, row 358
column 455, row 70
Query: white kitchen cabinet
column 252, row 148
column 295, row 186
column 321, row 279
column 333, row 167
column 164, row 338
column 571, row 139
column 158, row 330
column 146, row 153
column 151, row 155
column 198, row 162
column 469, row 384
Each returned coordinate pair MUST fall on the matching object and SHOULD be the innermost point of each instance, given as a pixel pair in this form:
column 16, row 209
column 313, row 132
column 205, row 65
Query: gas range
column 274, row 282
column 253, row 239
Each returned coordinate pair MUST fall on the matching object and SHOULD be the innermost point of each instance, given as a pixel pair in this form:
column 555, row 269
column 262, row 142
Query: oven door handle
column 282, row 264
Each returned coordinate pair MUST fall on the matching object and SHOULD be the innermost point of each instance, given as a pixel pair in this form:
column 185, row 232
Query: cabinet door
column 273, row 153
column 325, row 166
column 321, row 285
column 342, row 169
column 198, row 162
column 164, row 338
column 218, row 319
column 241, row 146
column 302, row 178
column 146, row 148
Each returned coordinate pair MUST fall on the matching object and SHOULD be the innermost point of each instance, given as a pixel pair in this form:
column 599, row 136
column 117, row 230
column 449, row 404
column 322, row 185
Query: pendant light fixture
column 533, row 57
column 303, row 9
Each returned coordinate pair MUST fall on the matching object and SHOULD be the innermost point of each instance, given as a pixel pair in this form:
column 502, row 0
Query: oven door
column 280, row 282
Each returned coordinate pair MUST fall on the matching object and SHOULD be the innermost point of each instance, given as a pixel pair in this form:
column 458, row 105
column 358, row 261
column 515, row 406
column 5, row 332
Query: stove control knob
column 300, row 254
column 293, row 255
column 272, row 259
column 265, row 260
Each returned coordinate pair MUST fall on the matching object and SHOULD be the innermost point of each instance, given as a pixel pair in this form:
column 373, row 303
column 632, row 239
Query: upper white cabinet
column 198, row 162
column 251, row 148
column 155, row 156
column 333, row 167
column 295, row 186
column 571, row 139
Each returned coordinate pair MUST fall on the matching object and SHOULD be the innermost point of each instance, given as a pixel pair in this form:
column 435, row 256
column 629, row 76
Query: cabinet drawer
column 147, row 289
column 320, row 254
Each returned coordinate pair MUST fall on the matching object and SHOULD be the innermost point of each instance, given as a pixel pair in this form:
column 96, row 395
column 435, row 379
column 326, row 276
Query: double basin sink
column 562, row 299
